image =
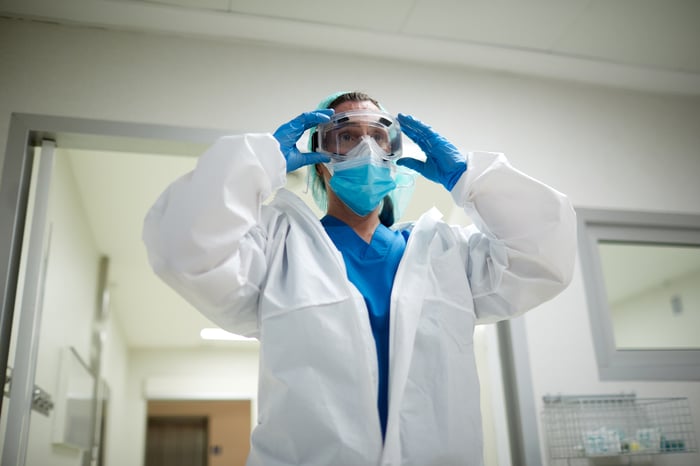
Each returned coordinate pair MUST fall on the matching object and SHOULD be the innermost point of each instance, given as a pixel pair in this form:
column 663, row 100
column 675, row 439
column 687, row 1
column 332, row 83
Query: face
column 347, row 133
column 322, row 170
column 346, row 107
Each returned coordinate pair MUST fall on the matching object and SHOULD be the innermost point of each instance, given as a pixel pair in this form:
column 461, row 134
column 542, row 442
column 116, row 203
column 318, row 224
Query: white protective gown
column 270, row 271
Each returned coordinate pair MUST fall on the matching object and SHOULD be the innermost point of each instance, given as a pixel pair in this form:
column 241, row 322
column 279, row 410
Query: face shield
column 347, row 134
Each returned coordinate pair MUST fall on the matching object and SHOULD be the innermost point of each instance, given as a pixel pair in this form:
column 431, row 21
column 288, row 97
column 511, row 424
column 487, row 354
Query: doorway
column 176, row 441
column 62, row 312
column 207, row 433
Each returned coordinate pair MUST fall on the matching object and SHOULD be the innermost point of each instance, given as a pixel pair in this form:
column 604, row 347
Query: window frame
column 596, row 225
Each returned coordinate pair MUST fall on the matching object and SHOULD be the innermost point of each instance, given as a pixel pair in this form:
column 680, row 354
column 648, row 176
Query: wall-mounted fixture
column 42, row 402
column 622, row 426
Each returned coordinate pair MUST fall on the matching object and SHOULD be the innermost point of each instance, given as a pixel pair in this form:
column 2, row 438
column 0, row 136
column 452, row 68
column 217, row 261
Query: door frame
column 26, row 131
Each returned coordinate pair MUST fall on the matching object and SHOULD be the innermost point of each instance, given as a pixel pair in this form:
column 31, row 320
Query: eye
column 346, row 137
column 380, row 137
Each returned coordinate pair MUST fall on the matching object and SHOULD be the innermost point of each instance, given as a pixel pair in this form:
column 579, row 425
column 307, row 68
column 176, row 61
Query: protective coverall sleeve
column 521, row 248
column 204, row 235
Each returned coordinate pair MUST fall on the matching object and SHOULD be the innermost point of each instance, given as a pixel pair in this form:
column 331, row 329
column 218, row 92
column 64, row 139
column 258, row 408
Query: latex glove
column 444, row 163
column 289, row 133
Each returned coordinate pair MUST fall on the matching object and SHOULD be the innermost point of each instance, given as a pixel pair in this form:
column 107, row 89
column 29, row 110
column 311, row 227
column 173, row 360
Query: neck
column 363, row 226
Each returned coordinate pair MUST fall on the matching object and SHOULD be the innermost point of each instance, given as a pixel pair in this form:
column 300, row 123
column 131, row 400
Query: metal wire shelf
column 599, row 426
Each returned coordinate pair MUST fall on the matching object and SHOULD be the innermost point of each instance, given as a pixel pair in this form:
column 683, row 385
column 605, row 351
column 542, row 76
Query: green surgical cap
column 329, row 99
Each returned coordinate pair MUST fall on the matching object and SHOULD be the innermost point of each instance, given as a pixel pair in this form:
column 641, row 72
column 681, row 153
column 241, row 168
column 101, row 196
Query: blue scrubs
column 372, row 268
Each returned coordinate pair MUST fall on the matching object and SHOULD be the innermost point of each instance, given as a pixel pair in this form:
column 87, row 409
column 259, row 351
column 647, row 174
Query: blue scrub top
column 372, row 268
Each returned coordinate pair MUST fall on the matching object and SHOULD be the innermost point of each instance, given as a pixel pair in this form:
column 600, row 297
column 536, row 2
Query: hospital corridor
column 543, row 300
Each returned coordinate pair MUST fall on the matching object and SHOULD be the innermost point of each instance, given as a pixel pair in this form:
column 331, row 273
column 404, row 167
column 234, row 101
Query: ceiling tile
column 516, row 24
column 385, row 15
column 219, row 5
column 654, row 33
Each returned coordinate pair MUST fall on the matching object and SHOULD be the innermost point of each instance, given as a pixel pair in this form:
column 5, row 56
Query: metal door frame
column 26, row 132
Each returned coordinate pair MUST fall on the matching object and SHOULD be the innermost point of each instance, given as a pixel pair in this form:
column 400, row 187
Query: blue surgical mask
column 361, row 183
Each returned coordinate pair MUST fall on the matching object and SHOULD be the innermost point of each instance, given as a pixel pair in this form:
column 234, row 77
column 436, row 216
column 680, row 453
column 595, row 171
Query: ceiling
column 651, row 45
column 642, row 44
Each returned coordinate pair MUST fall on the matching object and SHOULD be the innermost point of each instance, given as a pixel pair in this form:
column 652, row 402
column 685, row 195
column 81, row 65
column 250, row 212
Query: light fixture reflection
column 220, row 334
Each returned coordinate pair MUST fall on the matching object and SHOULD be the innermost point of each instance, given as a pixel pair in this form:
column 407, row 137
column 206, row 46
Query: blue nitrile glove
column 289, row 133
column 444, row 163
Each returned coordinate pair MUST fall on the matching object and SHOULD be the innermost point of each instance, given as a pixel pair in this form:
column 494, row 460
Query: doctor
column 366, row 354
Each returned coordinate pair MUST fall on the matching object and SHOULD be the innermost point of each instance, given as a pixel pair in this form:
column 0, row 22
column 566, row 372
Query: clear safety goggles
column 346, row 130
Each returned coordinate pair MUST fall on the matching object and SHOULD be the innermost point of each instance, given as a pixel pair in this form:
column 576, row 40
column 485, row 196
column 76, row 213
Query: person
column 365, row 325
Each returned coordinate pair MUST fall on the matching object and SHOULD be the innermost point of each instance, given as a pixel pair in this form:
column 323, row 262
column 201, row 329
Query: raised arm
column 520, row 251
column 203, row 234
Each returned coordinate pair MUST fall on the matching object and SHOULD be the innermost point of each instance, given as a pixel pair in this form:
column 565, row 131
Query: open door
column 23, row 394
column 53, row 411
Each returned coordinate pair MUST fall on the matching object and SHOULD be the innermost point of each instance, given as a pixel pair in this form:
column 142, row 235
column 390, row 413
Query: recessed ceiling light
column 220, row 334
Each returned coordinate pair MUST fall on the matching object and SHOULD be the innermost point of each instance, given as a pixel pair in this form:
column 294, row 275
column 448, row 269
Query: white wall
column 115, row 367
column 647, row 319
column 605, row 148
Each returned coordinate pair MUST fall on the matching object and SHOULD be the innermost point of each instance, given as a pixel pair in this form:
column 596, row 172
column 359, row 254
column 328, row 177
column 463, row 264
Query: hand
column 444, row 163
column 289, row 133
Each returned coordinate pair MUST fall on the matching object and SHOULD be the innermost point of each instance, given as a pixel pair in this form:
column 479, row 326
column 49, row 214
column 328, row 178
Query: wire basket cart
column 583, row 428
